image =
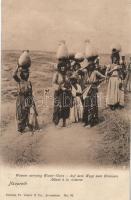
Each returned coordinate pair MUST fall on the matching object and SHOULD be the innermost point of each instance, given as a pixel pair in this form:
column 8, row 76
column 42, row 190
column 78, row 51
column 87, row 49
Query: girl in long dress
column 123, row 65
column 26, row 113
column 90, row 114
column 76, row 112
column 128, row 78
column 62, row 96
column 115, row 93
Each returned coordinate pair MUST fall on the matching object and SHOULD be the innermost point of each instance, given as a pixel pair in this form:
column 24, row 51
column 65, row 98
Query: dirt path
column 72, row 145
column 75, row 145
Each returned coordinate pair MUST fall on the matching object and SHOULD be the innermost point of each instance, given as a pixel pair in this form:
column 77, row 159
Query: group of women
column 75, row 89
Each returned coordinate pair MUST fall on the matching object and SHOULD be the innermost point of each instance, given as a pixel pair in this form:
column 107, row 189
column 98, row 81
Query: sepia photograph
column 65, row 83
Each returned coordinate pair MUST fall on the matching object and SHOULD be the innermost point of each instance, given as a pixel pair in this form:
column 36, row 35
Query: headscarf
column 115, row 54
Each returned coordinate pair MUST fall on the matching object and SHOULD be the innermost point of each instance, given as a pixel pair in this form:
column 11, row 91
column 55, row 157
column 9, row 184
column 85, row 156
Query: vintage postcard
column 65, row 99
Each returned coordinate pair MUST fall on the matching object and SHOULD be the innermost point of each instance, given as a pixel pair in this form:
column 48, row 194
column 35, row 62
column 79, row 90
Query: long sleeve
column 108, row 70
column 15, row 75
column 100, row 75
column 55, row 81
column 73, row 91
column 112, row 69
column 79, row 89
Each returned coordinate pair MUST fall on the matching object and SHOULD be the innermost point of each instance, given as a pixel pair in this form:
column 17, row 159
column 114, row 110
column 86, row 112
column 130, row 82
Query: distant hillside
column 9, row 56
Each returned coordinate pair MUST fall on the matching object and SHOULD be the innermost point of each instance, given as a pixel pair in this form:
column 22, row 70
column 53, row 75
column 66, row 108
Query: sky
column 41, row 24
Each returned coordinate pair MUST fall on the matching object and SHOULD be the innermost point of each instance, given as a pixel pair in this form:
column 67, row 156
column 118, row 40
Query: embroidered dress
column 90, row 114
column 26, row 113
column 62, row 97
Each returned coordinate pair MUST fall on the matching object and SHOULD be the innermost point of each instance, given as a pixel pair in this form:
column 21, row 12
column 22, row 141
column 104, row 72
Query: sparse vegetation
column 114, row 127
column 115, row 146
